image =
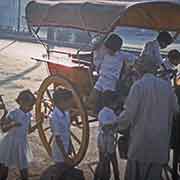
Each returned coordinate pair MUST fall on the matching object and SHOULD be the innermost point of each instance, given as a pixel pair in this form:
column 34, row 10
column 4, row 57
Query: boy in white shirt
column 109, row 70
column 60, row 125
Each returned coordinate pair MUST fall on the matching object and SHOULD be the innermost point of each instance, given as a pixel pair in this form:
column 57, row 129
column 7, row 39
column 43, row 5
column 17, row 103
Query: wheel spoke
column 50, row 140
column 72, row 149
column 47, row 128
column 49, row 94
column 76, row 138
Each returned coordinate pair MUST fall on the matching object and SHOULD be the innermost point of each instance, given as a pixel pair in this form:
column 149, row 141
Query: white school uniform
column 110, row 70
column 14, row 147
column 106, row 138
column 60, row 125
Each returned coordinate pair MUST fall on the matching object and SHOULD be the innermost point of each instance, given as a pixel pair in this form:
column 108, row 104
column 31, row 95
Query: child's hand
column 17, row 124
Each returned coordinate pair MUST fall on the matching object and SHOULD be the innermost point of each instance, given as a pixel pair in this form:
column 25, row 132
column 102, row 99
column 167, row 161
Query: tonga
column 92, row 16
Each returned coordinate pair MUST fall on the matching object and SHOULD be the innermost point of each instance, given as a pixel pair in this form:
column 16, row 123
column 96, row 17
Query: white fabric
column 106, row 134
column 168, row 64
column 148, row 110
column 60, row 125
column 152, row 48
column 14, row 147
column 110, row 70
column 107, row 116
column 98, row 57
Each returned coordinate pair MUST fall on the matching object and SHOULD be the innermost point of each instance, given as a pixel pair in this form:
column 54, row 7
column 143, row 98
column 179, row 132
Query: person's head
column 26, row 100
column 62, row 99
column 107, row 118
column 174, row 57
column 146, row 64
column 164, row 38
column 113, row 43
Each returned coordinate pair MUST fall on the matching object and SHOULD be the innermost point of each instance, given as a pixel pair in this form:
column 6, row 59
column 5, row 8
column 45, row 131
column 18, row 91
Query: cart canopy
column 102, row 16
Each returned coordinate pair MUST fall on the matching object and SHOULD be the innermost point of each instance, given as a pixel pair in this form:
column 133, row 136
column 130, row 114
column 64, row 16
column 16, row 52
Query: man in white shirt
column 152, row 48
column 148, row 112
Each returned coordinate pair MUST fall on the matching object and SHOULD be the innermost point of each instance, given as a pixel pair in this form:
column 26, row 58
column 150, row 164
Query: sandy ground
column 18, row 72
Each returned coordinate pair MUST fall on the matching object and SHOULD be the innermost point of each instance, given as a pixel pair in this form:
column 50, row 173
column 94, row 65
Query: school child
column 14, row 147
column 60, row 125
column 107, row 141
column 170, row 63
column 109, row 71
column 172, row 60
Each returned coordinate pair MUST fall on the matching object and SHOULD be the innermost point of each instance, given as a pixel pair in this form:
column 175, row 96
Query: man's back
column 151, row 127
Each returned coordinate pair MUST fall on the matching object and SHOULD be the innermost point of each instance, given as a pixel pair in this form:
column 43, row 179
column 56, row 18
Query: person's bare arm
column 8, row 124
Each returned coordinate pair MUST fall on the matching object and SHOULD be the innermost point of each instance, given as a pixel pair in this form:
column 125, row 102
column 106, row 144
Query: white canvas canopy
column 102, row 16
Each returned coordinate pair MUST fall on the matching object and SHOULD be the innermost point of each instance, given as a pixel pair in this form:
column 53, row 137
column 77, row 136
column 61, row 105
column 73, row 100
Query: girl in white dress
column 14, row 148
column 60, row 124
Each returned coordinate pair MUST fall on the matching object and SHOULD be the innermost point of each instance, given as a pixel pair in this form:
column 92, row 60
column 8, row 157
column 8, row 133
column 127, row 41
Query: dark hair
column 61, row 94
column 173, row 54
column 165, row 36
column 113, row 42
column 26, row 96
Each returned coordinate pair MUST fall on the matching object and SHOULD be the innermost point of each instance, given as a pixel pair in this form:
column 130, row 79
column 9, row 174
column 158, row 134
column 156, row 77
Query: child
column 170, row 63
column 60, row 124
column 172, row 60
column 107, row 141
column 14, row 148
column 109, row 71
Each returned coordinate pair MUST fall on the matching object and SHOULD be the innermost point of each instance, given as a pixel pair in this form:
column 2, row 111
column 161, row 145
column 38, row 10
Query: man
column 152, row 48
column 148, row 112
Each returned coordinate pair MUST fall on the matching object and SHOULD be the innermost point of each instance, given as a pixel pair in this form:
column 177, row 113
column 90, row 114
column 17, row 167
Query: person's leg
column 3, row 172
column 99, row 168
column 115, row 166
column 24, row 174
column 143, row 171
column 131, row 172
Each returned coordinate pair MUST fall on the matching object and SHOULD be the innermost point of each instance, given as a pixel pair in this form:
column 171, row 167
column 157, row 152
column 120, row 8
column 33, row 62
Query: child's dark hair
column 113, row 42
column 165, row 36
column 26, row 96
column 173, row 54
column 61, row 94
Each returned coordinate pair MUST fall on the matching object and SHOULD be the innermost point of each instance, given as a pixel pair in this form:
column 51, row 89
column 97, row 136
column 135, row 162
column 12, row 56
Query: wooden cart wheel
column 79, row 129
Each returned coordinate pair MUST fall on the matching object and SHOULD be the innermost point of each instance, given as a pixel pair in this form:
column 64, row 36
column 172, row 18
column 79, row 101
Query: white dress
column 14, row 147
column 60, row 125
column 106, row 135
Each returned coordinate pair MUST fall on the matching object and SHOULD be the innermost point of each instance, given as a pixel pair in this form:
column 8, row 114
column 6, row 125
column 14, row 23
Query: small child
column 109, row 71
column 170, row 63
column 14, row 147
column 60, row 124
column 107, row 142
column 172, row 60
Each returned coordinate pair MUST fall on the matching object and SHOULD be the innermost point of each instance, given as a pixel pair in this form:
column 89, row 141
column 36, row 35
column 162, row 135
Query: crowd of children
column 114, row 67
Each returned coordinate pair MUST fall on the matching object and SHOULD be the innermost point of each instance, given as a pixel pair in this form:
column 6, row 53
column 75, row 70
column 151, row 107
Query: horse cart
column 76, row 74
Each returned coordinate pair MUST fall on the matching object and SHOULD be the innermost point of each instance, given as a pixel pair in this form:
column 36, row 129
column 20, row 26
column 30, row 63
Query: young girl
column 107, row 142
column 14, row 148
column 60, row 124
